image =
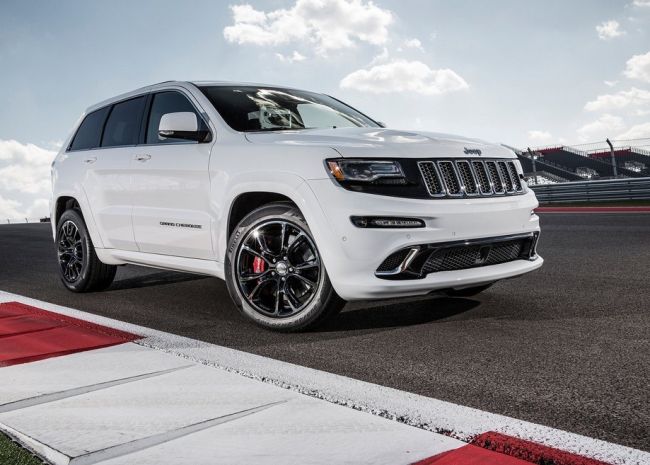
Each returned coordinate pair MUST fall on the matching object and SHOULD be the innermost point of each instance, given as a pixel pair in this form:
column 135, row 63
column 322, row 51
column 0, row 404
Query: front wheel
column 274, row 271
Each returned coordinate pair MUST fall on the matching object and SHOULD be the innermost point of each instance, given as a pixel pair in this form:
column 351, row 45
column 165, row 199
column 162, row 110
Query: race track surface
column 567, row 346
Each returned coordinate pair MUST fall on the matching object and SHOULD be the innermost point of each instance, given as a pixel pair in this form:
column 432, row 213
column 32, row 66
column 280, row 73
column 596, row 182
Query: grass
column 11, row 453
column 599, row 203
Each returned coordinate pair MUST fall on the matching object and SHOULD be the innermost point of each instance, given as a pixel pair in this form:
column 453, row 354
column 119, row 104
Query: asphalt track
column 567, row 346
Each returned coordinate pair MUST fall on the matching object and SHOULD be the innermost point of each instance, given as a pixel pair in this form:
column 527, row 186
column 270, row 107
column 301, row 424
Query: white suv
column 297, row 200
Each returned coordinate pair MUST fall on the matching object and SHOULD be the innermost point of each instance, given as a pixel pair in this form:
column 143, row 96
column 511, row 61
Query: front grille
column 458, row 178
column 460, row 258
column 458, row 255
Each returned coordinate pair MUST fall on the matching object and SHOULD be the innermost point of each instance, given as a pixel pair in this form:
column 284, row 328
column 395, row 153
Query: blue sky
column 517, row 72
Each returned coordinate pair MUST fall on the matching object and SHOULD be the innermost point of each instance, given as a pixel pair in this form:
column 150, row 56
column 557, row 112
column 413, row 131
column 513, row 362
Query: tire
column 271, row 259
column 79, row 268
column 468, row 291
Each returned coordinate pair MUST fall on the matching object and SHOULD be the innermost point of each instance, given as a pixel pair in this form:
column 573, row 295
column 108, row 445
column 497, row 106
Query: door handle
column 143, row 157
column 90, row 160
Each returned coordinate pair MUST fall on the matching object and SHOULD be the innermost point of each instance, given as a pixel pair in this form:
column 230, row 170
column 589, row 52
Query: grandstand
column 563, row 163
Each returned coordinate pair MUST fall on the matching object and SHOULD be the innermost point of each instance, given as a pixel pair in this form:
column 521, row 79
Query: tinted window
column 247, row 108
column 167, row 102
column 90, row 130
column 123, row 125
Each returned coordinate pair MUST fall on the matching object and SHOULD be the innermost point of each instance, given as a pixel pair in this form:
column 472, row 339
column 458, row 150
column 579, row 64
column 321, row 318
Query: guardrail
column 24, row 220
column 610, row 189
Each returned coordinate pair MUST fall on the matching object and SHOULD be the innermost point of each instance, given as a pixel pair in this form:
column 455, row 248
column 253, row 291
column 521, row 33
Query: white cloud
column 638, row 67
column 24, row 167
column 328, row 24
column 14, row 211
column 619, row 100
column 639, row 131
column 610, row 83
column 10, row 209
column 404, row 76
column 609, row 30
column 295, row 56
column 602, row 128
column 24, row 179
column 413, row 43
column 539, row 136
column 641, row 3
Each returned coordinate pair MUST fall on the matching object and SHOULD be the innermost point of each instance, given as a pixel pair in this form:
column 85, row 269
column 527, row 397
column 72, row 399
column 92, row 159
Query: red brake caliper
column 258, row 265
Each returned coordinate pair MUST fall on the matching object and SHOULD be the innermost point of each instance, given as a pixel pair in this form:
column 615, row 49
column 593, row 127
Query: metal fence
column 611, row 189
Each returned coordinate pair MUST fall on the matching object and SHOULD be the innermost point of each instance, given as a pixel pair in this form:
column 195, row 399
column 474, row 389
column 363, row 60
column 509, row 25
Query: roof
column 163, row 84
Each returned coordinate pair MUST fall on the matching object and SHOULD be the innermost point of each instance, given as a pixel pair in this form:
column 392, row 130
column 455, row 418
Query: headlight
column 364, row 170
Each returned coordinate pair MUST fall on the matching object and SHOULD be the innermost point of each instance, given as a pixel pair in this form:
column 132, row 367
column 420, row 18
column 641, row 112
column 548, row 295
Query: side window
column 90, row 130
column 123, row 125
column 168, row 102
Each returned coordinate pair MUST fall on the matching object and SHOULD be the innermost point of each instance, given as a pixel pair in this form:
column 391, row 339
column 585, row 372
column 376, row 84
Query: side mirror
column 181, row 125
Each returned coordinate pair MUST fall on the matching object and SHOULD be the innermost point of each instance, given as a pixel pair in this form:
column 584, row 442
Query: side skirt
column 166, row 262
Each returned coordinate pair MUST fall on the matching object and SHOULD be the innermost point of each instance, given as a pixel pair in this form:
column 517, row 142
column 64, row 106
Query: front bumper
column 352, row 255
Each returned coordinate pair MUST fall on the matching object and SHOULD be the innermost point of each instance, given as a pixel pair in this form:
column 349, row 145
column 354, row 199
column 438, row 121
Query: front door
column 171, row 187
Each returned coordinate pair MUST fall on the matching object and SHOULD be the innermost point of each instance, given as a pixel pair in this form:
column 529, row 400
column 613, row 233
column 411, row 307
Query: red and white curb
column 125, row 394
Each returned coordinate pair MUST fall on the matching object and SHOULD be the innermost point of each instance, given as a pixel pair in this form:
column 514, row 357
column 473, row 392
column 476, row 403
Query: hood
column 380, row 142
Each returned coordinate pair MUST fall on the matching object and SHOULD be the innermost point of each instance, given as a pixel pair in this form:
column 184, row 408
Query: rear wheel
column 274, row 271
column 79, row 267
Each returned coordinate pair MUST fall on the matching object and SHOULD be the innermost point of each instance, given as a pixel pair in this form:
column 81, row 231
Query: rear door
column 108, row 182
column 171, row 186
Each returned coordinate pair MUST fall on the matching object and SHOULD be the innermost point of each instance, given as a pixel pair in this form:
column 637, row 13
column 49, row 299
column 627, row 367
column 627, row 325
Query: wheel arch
column 247, row 202
column 247, row 192
column 66, row 201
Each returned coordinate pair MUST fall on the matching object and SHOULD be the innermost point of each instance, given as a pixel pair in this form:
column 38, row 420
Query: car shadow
column 396, row 314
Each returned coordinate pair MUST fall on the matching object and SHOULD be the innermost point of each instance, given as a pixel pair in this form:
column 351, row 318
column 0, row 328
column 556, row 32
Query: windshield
column 248, row 108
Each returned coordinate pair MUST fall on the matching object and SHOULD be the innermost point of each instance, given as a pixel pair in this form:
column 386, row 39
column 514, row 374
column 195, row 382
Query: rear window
column 123, row 125
column 90, row 130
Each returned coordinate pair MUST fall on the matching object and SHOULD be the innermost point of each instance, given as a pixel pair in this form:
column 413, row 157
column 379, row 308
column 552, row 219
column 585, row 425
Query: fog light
column 386, row 222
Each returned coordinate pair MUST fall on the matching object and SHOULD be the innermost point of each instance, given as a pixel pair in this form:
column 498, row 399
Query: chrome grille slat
column 482, row 177
column 515, row 176
column 505, row 175
column 471, row 177
column 432, row 178
column 495, row 177
column 467, row 177
column 450, row 178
